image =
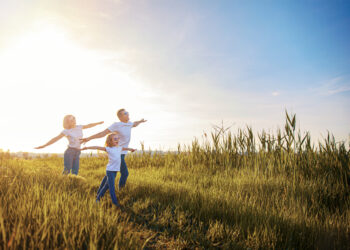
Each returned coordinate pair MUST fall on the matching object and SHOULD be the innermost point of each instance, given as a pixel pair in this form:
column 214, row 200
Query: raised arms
column 53, row 140
column 139, row 122
column 94, row 147
column 95, row 136
column 91, row 125
column 129, row 149
column 104, row 149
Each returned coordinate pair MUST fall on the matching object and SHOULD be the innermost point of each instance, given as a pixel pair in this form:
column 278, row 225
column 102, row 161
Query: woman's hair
column 109, row 140
column 66, row 121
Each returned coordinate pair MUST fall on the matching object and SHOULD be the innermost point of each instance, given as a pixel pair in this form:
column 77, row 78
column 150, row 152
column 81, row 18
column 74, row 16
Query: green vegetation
column 232, row 191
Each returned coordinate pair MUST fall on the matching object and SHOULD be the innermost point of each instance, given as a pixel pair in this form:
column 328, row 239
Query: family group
column 116, row 146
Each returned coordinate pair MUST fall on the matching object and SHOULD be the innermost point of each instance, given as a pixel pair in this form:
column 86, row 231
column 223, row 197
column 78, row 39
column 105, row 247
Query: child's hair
column 66, row 123
column 109, row 142
column 119, row 113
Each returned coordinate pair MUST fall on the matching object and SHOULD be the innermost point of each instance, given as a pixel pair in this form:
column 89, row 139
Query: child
column 114, row 159
column 123, row 128
column 73, row 133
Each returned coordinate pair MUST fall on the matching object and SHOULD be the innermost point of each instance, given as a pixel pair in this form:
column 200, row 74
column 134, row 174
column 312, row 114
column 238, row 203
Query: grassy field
column 234, row 190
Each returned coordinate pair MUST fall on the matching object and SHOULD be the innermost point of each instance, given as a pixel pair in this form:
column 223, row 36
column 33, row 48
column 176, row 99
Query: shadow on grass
column 198, row 212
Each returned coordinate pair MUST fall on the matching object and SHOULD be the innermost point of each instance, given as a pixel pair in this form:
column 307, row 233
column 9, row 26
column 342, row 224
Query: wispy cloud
column 276, row 93
column 334, row 86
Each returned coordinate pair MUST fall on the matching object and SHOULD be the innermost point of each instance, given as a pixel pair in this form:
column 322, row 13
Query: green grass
column 231, row 191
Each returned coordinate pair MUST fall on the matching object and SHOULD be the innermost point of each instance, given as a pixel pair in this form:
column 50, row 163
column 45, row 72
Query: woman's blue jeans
column 108, row 182
column 71, row 161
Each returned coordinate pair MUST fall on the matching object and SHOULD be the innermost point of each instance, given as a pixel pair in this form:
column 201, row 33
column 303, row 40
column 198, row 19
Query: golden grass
column 230, row 192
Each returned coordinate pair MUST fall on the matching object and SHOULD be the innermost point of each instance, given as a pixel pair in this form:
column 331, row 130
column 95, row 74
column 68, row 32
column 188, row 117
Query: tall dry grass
column 234, row 190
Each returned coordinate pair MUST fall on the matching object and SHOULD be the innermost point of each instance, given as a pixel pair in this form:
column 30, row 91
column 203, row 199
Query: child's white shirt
column 73, row 135
column 114, row 158
column 124, row 130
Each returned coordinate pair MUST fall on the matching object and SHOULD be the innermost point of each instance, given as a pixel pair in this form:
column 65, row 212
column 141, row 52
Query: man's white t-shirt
column 124, row 130
column 73, row 135
column 114, row 158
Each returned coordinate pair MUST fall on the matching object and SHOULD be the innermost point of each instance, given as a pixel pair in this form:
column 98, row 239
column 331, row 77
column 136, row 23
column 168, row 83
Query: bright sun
column 46, row 58
column 46, row 75
column 43, row 55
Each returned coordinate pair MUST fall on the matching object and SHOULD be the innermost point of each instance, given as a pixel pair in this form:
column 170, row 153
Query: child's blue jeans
column 71, row 161
column 124, row 173
column 108, row 182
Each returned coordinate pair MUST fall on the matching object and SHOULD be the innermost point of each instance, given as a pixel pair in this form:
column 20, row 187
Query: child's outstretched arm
column 94, row 147
column 53, row 140
column 95, row 136
column 129, row 149
column 92, row 125
column 138, row 122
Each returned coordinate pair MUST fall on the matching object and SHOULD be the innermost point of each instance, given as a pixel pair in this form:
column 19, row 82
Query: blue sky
column 192, row 64
column 252, row 45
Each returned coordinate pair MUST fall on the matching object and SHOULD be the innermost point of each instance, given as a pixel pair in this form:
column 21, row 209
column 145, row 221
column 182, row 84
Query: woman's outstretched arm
column 92, row 125
column 53, row 140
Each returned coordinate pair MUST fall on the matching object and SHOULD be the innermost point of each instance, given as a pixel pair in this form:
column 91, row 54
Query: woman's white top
column 114, row 158
column 73, row 135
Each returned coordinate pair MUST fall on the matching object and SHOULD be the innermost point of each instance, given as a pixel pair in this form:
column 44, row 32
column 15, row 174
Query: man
column 124, row 131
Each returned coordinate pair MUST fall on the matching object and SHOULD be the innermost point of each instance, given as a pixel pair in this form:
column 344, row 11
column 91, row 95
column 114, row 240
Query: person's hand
column 84, row 140
column 84, row 148
column 100, row 122
column 143, row 120
column 40, row 147
column 133, row 150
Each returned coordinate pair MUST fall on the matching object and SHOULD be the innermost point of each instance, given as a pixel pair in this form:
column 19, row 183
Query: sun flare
column 39, row 55
column 51, row 76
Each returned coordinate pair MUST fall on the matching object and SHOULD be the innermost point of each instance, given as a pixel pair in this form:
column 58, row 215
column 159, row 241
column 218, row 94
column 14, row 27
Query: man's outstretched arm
column 138, row 122
column 95, row 136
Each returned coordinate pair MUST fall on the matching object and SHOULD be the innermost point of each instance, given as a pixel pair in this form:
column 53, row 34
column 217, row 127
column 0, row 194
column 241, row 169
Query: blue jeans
column 108, row 182
column 124, row 173
column 71, row 161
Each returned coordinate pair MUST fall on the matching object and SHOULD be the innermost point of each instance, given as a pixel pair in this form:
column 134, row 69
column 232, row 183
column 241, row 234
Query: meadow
column 229, row 190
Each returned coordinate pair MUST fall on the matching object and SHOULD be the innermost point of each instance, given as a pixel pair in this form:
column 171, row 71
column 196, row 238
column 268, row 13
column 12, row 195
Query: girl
column 73, row 133
column 114, row 159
